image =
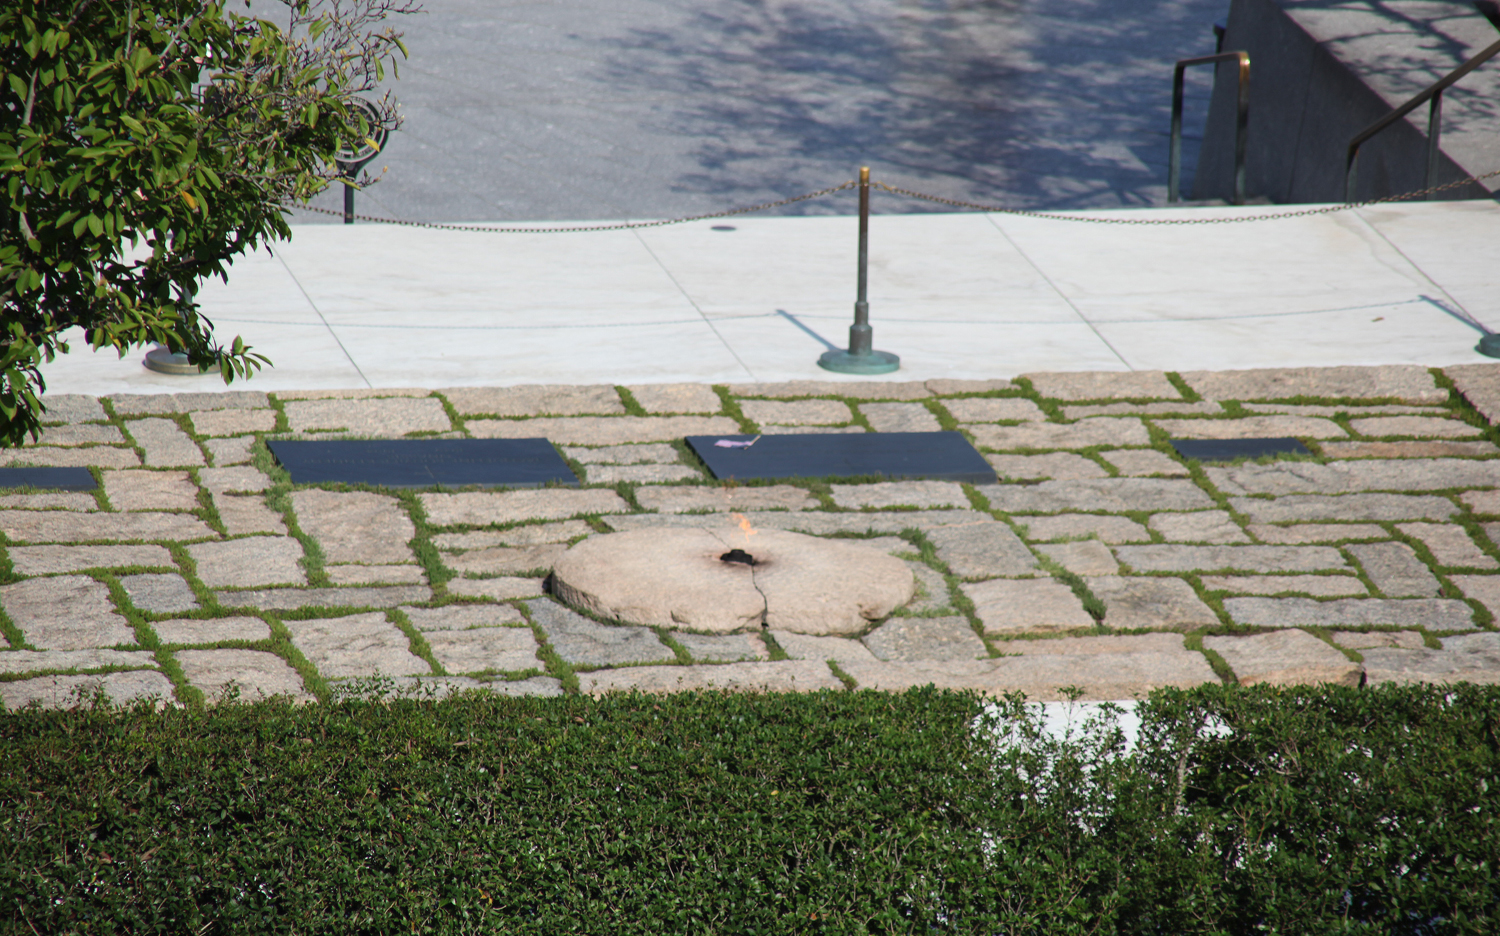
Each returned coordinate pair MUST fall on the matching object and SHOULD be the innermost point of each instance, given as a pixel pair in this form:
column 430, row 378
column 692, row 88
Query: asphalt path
column 591, row 109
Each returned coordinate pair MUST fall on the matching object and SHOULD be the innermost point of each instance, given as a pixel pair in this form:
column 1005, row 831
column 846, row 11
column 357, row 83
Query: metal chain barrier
column 894, row 190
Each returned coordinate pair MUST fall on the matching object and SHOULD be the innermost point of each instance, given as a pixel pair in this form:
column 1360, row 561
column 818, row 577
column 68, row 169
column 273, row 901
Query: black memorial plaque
column 1230, row 449
column 48, row 479
column 421, row 463
column 941, row 456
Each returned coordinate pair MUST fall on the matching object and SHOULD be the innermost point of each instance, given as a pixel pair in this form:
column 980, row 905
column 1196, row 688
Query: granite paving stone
column 932, row 589
column 926, row 638
column 1443, row 614
column 853, row 389
column 463, row 617
column 899, row 417
column 66, row 612
column 1284, row 658
column 641, row 474
column 581, row 642
column 1204, row 526
column 1357, row 409
column 159, row 593
column 1484, row 589
column 1318, row 586
column 1473, row 658
column 1098, row 645
column 780, row 676
column 1302, row 533
column 138, row 404
column 355, row 393
column 1108, row 495
column 375, row 574
column 1017, row 606
column 287, row 599
column 499, row 560
column 1480, row 385
column 150, row 490
column 812, row 430
column 230, row 451
column 379, row 418
column 1085, row 557
column 357, row 645
column 1253, row 427
column 817, row 523
column 1171, row 557
column 232, row 422
column 721, row 498
column 484, row 649
column 1043, row 677
column 1109, row 530
column 497, row 589
column 1201, row 408
column 235, row 480
column 1395, row 570
column 1140, row 463
column 797, row 412
column 537, row 400
column 810, row 647
column 355, row 526
column 994, row 409
column 945, row 386
column 1406, row 382
column 481, row 508
column 1406, row 449
column 242, row 515
column 1482, row 503
column 653, row 453
column 1104, row 385
column 164, row 444
column 1420, row 426
column 60, row 501
column 1062, row 466
column 1366, row 640
column 67, row 691
column 560, row 531
column 247, row 562
column 1086, row 433
column 1346, row 507
column 56, row 526
column 676, row 398
column 212, row 630
column 924, row 494
column 49, row 560
column 247, row 675
column 981, row 549
column 98, row 456
column 1412, row 474
column 1150, row 603
column 81, row 434
column 1491, row 532
column 71, row 408
column 36, row 661
column 602, row 430
column 722, row 648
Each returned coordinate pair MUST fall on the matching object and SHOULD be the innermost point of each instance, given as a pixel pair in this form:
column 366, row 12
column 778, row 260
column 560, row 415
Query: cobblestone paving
column 1101, row 560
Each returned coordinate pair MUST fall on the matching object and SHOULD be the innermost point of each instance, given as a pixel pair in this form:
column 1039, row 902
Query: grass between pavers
column 826, row 812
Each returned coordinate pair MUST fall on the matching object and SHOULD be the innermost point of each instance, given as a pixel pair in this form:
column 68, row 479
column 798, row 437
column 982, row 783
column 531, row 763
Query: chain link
column 622, row 226
column 894, row 190
column 1326, row 209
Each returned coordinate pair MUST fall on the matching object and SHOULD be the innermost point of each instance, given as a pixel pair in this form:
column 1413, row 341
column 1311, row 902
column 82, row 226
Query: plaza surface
column 1102, row 560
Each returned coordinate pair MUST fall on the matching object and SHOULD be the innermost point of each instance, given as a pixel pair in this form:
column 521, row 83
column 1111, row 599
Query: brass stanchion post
column 861, row 358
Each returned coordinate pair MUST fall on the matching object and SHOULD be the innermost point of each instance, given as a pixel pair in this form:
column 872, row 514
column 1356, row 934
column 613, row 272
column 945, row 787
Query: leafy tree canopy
column 146, row 143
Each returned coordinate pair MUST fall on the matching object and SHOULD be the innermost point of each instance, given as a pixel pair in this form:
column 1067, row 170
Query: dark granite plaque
column 942, row 456
column 421, row 463
column 48, row 479
column 1230, row 449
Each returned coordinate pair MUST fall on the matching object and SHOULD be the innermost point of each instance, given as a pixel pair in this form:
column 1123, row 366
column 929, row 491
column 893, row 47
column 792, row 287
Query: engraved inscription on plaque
column 939, row 456
column 421, row 463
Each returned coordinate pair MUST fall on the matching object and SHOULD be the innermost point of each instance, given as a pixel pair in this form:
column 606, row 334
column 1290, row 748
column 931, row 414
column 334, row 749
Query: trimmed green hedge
column 1243, row 811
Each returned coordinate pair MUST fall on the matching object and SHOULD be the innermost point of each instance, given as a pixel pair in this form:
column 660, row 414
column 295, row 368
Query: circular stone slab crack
column 674, row 578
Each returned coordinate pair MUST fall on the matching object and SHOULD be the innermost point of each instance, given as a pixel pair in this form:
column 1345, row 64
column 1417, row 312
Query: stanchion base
column 876, row 362
column 1489, row 345
column 165, row 362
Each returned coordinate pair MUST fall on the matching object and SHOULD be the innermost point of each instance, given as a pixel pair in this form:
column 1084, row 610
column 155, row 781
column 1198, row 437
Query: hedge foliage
column 1322, row 810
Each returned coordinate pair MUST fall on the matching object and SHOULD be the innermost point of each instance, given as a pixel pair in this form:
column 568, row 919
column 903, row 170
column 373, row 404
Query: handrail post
column 1434, row 134
column 1241, row 122
column 861, row 358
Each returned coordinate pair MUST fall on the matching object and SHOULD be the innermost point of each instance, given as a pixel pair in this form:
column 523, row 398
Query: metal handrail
column 1434, row 93
column 1242, row 121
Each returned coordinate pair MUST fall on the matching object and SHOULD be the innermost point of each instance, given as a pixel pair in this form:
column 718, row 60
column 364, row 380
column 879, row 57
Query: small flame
column 745, row 525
